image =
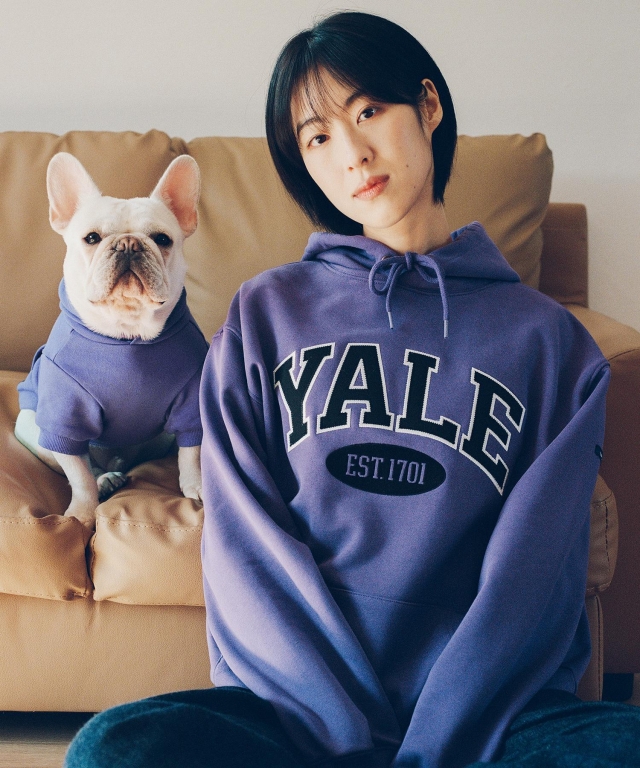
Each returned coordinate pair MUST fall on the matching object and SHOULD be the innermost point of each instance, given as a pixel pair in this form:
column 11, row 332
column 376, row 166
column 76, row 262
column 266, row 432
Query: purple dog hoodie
column 89, row 388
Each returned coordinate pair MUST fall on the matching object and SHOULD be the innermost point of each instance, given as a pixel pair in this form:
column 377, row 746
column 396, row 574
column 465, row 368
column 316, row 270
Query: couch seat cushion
column 42, row 553
column 146, row 549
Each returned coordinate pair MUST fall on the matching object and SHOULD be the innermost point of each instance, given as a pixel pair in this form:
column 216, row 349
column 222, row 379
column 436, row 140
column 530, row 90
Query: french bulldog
column 121, row 368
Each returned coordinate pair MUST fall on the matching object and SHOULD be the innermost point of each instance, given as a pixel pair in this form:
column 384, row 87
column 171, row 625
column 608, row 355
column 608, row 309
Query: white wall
column 567, row 68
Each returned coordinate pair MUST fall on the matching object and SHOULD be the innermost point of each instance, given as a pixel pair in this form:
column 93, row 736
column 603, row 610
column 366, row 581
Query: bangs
column 311, row 97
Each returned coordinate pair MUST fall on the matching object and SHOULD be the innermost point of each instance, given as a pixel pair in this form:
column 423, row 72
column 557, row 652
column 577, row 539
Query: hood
column 470, row 256
column 179, row 317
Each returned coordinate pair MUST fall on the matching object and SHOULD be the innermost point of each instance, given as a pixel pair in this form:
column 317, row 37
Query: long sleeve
column 528, row 617
column 273, row 624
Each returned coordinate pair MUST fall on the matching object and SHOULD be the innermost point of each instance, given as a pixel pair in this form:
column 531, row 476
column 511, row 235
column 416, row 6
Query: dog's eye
column 92, row 238
column 159, row 238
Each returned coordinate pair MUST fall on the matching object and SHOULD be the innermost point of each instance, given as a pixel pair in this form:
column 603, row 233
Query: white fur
column 128, row 309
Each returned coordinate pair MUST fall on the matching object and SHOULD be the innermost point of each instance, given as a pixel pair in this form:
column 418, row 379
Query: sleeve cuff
column 189, row 439
column 27, row 399
column 62, row 444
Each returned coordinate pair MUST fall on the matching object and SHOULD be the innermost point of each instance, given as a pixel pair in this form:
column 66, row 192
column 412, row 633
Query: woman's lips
column 371, row 188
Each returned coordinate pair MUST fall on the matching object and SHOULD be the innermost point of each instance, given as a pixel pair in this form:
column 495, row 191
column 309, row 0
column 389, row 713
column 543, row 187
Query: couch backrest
column 247, row 222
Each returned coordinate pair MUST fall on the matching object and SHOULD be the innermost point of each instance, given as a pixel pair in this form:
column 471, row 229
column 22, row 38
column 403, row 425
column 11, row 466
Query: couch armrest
column 603, row 541
column 620, row 468
column 564, row 260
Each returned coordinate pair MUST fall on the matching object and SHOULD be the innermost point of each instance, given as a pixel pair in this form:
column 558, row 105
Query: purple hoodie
column 89, row 388
column 397, row 523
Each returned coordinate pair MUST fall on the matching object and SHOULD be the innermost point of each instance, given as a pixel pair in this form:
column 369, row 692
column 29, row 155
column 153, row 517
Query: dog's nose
column 129, row 244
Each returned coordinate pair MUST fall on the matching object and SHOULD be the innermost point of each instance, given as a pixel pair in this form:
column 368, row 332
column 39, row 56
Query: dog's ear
column 68, row 184
column 179, row 190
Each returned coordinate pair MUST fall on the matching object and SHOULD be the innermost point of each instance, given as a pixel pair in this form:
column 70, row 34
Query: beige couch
column 88, row 624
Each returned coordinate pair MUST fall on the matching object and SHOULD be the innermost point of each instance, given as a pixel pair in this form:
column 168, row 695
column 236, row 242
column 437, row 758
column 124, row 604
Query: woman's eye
column 367, row 113
column 316, row 141
column 159, row 238
column 92, row 238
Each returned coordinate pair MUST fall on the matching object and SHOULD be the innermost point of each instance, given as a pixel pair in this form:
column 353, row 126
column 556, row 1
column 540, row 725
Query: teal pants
column 557, row 730
column 233, row 728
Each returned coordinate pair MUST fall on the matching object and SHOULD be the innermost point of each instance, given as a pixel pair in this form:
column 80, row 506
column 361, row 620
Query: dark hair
column 372, row 55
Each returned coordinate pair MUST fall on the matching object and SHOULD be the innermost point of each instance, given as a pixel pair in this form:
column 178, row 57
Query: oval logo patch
column 390, row 470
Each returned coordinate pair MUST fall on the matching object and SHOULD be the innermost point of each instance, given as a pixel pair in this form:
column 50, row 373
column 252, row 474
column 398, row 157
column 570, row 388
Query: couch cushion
column 248, row 224
column 83, row 656
column 122, row 164
column 42, row 553
column 146, row 549
column 504, row 182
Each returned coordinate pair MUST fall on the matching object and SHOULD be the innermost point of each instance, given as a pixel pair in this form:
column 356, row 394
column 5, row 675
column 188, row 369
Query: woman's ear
column 431, row 107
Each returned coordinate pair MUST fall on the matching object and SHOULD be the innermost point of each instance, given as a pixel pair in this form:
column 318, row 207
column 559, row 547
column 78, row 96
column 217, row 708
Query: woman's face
column 372, row 160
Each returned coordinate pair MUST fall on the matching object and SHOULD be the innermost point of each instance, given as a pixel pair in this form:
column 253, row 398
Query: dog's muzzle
column 129, row 254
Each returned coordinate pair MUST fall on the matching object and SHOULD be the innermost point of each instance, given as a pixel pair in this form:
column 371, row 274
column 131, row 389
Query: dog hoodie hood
column 397, row 523
column 177, row 320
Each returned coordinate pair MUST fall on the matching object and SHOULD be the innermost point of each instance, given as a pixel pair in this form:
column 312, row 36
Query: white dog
column 119, row 374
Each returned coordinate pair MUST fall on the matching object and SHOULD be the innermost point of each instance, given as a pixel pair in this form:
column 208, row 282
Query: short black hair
column 375, row 57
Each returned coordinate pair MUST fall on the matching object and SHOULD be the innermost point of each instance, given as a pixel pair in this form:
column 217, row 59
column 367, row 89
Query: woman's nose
column 358, row 151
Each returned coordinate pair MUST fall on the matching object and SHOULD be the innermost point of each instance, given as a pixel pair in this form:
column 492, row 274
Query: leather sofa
column 87, row 623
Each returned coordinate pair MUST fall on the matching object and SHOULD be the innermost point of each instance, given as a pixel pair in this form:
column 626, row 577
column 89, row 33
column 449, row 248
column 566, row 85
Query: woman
column 400, row 446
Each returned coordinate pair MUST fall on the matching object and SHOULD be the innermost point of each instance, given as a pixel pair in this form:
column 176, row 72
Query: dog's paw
column 83, row 511
column 192, row 491
column 190, row 474
column 109, row 483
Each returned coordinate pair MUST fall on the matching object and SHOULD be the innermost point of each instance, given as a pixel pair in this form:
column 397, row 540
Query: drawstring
column 397, row 265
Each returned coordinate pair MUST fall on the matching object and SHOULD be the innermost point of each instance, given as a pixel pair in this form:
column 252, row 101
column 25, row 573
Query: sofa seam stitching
column 124, row 602
column 624, row 352
column 46, row 596
column 111, row 521
column 37, row 521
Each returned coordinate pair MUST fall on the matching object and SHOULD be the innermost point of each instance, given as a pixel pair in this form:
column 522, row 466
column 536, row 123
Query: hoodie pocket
column 402, row 640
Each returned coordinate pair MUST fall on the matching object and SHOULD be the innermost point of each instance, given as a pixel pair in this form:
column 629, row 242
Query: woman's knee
column 119, row 736
column 199, row 729
column 572, row 732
